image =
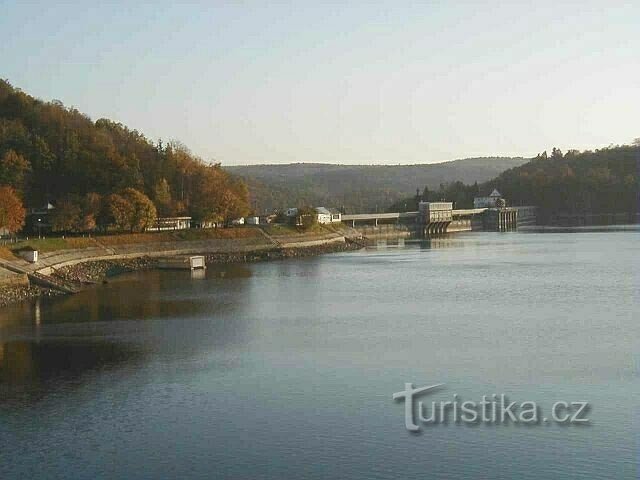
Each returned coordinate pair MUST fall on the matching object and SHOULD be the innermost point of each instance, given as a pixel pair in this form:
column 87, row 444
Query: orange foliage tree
column 12, row 212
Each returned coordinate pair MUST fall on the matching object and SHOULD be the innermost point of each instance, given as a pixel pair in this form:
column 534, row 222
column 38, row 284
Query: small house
column 323, row 215
column 487, row 202
column 328, row 216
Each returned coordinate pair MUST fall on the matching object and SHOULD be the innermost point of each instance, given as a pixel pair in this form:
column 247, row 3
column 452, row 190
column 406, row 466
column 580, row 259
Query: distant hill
column 359, row 188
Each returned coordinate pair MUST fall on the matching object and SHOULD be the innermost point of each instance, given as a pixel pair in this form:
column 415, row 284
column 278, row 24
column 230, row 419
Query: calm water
column 286, row 369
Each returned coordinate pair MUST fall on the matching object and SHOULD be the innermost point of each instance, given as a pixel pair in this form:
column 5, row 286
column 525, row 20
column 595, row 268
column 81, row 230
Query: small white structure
column 253, row 220
column 487, row 202
column 171, row 223
column 327, row 216
column 205, row 224
column 238, row 221
column 29, row 255
column 323, row 215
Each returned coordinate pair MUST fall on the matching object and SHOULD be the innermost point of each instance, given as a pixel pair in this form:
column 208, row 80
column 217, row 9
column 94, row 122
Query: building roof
column 323, row 210
column 495, row 193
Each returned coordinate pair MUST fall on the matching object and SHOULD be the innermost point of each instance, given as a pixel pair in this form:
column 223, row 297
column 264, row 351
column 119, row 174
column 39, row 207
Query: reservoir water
column 287, row 369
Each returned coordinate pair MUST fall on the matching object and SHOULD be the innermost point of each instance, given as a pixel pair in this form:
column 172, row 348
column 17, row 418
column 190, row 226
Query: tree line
column 600, row 181
column 102, row 174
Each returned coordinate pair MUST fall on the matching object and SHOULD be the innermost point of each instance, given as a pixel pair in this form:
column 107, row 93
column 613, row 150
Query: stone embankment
column 96, row 271
column 19, row 293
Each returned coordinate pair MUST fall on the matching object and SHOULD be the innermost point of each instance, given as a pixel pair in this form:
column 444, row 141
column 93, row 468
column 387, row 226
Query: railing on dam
column 372, row 217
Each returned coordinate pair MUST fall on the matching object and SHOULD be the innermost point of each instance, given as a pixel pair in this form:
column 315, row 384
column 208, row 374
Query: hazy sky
column 260, row 82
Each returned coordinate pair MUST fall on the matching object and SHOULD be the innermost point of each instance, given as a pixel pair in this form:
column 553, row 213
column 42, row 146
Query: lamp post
column 39, row 227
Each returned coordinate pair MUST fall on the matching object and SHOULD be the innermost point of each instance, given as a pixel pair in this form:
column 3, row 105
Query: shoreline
column 93, row 272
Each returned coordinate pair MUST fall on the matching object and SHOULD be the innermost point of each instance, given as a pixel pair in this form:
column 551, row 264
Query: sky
column 352, row 82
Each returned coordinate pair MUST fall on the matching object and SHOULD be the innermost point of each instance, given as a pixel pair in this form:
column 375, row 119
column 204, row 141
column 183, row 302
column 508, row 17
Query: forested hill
column 359, row 188
column 50, row 153
column 600, row 181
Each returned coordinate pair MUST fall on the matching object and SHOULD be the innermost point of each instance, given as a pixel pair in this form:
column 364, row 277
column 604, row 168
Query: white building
column 253, row 220
column 487, row 202
column 171, row 223
column 327, row 216
column 238, row 221
column 205, row 224
column 436, row 211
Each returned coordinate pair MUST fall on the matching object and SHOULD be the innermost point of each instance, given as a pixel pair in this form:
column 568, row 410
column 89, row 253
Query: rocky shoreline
column 95, row 272
column 17, row 294
column 281, row 253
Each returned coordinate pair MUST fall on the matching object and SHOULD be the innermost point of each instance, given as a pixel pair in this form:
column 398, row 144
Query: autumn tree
column 218, row 197
column 76, row 214
column 162, row 198
column 91, row 209
column 12, row 212
column 67, row 216
column 306, row 218
column 144, row 211
column 14, row 169
column 119, row 212
column 131, row 210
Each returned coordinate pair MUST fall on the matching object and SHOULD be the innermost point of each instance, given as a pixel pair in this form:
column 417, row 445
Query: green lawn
column 52, row 244
column 289, row 230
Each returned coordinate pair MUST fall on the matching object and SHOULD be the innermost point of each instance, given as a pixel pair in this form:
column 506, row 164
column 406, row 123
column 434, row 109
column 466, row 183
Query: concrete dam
column 439, row 218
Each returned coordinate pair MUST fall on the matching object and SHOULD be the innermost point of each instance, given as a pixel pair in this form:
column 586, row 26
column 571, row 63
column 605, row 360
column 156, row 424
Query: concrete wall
column 459, row 226
column 385, row 231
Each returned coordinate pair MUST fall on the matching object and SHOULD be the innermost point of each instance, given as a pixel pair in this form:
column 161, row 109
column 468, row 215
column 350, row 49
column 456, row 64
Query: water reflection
column 198, row 274
column 278, row 367
column 30, row 370
column 48, row 343
column 385, row 242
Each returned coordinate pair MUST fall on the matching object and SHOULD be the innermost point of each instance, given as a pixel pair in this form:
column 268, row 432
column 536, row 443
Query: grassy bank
column 52, row 244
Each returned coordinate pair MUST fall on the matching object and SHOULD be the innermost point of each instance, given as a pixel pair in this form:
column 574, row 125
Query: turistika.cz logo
column 495, row 409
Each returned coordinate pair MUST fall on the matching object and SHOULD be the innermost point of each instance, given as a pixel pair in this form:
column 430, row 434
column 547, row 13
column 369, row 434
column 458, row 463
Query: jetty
column 191, row 262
